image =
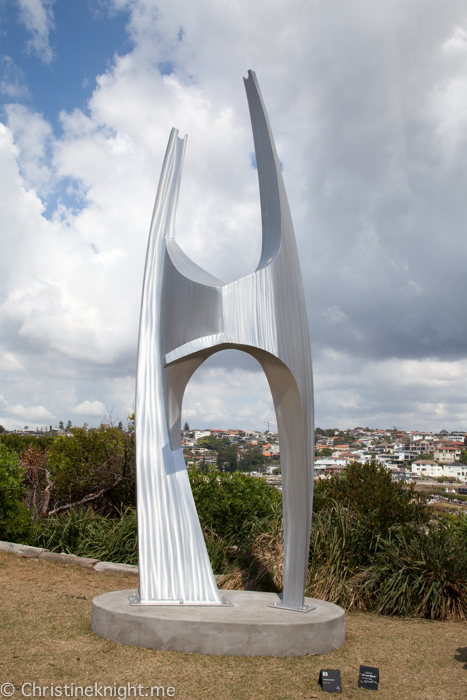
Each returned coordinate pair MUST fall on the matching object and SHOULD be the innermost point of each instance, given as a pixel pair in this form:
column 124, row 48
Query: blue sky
column 368, row 104
column 58, row 71
column 82, row 40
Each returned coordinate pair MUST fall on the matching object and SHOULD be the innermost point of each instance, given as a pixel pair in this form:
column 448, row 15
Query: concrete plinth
column 248, row 628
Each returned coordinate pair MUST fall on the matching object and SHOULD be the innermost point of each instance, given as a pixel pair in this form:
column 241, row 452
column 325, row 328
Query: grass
column 407, row 570
column 88, row 534
column 45, row 637
column 416, row 573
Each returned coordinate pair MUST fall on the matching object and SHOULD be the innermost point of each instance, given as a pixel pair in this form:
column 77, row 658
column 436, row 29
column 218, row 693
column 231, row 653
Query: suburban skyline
column 368, row 107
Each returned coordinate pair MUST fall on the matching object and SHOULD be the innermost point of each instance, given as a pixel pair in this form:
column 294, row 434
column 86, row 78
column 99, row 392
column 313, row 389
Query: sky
column 368, row 105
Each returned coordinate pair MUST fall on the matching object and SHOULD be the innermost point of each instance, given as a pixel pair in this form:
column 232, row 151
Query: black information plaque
column 368, row 678
column 330, row 681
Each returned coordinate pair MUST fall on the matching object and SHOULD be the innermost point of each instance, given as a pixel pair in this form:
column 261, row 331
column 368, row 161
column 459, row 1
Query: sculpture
column 187, row 315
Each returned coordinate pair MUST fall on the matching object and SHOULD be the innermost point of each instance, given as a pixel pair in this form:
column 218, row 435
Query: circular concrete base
column 248, row 628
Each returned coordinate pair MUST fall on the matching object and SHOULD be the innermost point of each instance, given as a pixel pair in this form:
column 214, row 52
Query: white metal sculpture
column 186, row 316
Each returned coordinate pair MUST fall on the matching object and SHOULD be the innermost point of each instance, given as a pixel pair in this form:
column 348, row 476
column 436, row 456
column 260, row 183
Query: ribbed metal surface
column 187, row 315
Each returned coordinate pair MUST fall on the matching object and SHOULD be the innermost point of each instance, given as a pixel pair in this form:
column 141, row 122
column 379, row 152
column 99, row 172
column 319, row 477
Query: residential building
column 447, row 454
column 427, row 467
column 201, row 433
column 456, row 470
column 329, row 462
column 422, row 446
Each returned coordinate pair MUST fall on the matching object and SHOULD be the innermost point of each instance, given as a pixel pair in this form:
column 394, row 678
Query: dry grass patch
column 45, row 637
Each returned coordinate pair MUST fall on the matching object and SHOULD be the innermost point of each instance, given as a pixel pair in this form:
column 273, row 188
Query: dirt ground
column 45, row 638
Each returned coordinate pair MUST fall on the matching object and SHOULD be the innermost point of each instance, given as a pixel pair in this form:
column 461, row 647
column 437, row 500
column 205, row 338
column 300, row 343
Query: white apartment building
column 201, row 433
column 328, row 462
column 425, row 467
column 457, row 470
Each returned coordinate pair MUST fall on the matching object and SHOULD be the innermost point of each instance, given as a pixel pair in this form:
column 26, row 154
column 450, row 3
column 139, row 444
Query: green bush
column 233, row 508
column 408, row 570
column 20, row 443
column 340, row 544
column 231, row 504
column 405, row 569
column 101, row 459
column 367, row 490
column 417, row 572
column 15, row 517
column 88, row 534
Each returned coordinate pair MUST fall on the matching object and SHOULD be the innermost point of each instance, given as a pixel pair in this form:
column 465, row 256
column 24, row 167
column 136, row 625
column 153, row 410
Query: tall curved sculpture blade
column 173, row 562
column 186, row 316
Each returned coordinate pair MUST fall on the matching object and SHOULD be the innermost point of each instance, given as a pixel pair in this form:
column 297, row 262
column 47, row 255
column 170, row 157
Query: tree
column 20, row 443
column 251, row 459
column 329, row 432
column 463, row 457
column 60, row 425
column 326, row 452
column 69, row 425
column 203, row 467
column 213, row 443
column 37, row 478
column 368, row 492
column 2, row 429
column 227, row 458
column 15, row 517
column 97, row 464
column 186, row 426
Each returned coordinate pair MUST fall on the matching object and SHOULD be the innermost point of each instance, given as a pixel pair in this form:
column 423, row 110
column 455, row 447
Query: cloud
column 334, row 314
column 12, row 80
column 30, row 413
column 413, row 394
column 371, row 129
column 32, row 134
column 220, row 397
column 90, row 408
column 37, row 17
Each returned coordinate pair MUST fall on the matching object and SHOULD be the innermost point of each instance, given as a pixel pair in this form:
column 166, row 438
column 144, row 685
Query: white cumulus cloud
column 37, row 16
column 30, row 413
column 90, row 408
column 371, row 129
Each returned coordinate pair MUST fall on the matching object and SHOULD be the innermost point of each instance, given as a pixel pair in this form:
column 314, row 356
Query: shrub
column 417, row 572
column 88, row 534
column 93, row 461
column 340, row 544
column 15, row 517
column 408, row 570
column 231, row 504
column 367, row 490
column 20, row 443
